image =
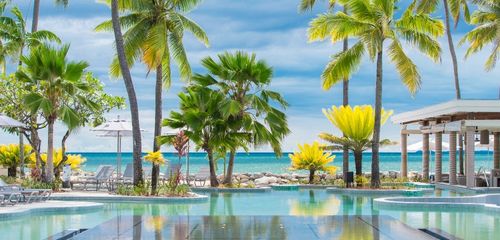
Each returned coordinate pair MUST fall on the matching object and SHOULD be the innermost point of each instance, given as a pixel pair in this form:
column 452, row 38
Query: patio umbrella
column 117, row 128
column 6, row 121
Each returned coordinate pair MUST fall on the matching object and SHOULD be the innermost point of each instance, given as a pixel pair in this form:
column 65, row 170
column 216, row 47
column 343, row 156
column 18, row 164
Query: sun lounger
column 171, row 170
column 101, row 178
column 27, row 195
column 202, row 176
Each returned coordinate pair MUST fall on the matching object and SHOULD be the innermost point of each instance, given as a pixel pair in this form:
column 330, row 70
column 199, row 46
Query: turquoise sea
column 268, row 162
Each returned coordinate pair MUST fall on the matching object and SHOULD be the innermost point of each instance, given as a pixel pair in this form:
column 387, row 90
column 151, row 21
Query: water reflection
column 313, row 206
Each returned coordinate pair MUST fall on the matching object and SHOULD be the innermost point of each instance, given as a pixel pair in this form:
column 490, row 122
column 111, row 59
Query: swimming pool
column 463, row 224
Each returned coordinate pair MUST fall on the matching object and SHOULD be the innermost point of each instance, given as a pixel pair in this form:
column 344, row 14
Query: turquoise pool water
column 463, row 224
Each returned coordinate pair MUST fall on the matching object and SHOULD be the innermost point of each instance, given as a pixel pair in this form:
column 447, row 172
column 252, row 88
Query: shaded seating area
column 466, row 122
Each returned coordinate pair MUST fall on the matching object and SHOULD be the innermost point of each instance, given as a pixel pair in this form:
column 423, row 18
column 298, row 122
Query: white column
column 453, row 158
column 469, row 161
column 404, row 155
column 425, row 156
column 438, row 158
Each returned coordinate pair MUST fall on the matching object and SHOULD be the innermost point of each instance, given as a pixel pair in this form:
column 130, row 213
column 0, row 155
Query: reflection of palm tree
column 228, row 204
column 314, row 207
column 214, row 197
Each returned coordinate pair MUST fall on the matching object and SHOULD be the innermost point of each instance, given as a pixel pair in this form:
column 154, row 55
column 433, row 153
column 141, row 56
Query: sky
column 277, row 33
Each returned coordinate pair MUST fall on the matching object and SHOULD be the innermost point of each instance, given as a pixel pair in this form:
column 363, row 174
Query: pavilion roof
column 452, row 111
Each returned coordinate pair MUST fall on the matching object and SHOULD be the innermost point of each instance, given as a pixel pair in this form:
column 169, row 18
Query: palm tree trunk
column 57, row 171
column 311, row 176
column 358, row 161
column 12, row 171
column 345, row 102
column 375, row 182
column 50, row 150
column 229, row 174
column 213, row 175
column 36, row 12
column 129, row 85
column 451, row 46
column 155, row 172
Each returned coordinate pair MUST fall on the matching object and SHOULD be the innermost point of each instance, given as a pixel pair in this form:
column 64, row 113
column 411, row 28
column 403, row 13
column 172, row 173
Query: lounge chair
column 102, row 176
column 12, row 192
column 171, row 170
column 201, row 176
column 128, row 175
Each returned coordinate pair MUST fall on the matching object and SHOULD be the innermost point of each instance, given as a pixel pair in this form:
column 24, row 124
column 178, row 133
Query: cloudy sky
column 275, row 32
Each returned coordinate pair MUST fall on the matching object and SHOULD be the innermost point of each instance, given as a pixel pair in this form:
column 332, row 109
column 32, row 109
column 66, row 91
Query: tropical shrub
column 74, row 160
column 10, row 157
column 357, row 125
column 155, row 158
column 312, row 158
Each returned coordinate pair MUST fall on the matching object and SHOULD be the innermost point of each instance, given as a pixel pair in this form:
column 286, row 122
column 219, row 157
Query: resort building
column 469, row 121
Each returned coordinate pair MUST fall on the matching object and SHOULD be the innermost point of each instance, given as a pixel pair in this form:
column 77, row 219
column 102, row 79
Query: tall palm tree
column 455, row 8
column 129, row 85
column 245, row 81
column 154, row 33
column 15, row 37
column 36, row 12
column 378, row 31
column 487, row 31
column 58, row 79
column 306, row 5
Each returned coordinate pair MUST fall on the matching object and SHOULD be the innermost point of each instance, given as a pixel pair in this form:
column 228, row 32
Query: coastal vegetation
column 231, row 107
column 252, row 118
column 313, row 158
column 307, row 5
column 154, row 32
column 377, row 30
column 356, row 124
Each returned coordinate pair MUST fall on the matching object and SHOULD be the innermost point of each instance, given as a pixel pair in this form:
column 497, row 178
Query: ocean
column 268, row 162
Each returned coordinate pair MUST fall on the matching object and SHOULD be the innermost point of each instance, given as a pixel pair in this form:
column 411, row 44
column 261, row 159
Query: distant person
column 66, row 176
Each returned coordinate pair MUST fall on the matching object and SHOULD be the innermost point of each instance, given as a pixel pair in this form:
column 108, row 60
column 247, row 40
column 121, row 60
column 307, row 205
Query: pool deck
column 253, row 227
column 107, row 197
column 22, row 209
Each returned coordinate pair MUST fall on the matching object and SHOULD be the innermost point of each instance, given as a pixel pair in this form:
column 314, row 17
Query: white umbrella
column 116, row 128
column 6, row 121
column 419, row 146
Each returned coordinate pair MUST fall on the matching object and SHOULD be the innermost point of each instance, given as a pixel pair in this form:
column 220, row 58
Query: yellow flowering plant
column 74, row 160
column 155, row 158
column 312, row 157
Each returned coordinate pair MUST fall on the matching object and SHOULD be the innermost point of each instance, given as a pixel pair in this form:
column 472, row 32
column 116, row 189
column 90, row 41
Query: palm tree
column 129, row 85
column 15, row 37
column 487, row 31
column 453, row 7
column 357, row 126
column 154, row 34
column 200, row 113
column 245, row 81
column 308, row 5
column 58, row 80
column 373, row 23
column 36, row 12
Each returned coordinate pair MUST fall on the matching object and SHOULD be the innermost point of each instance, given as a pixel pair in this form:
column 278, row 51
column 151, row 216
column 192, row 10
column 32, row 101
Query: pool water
column 462, row 224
